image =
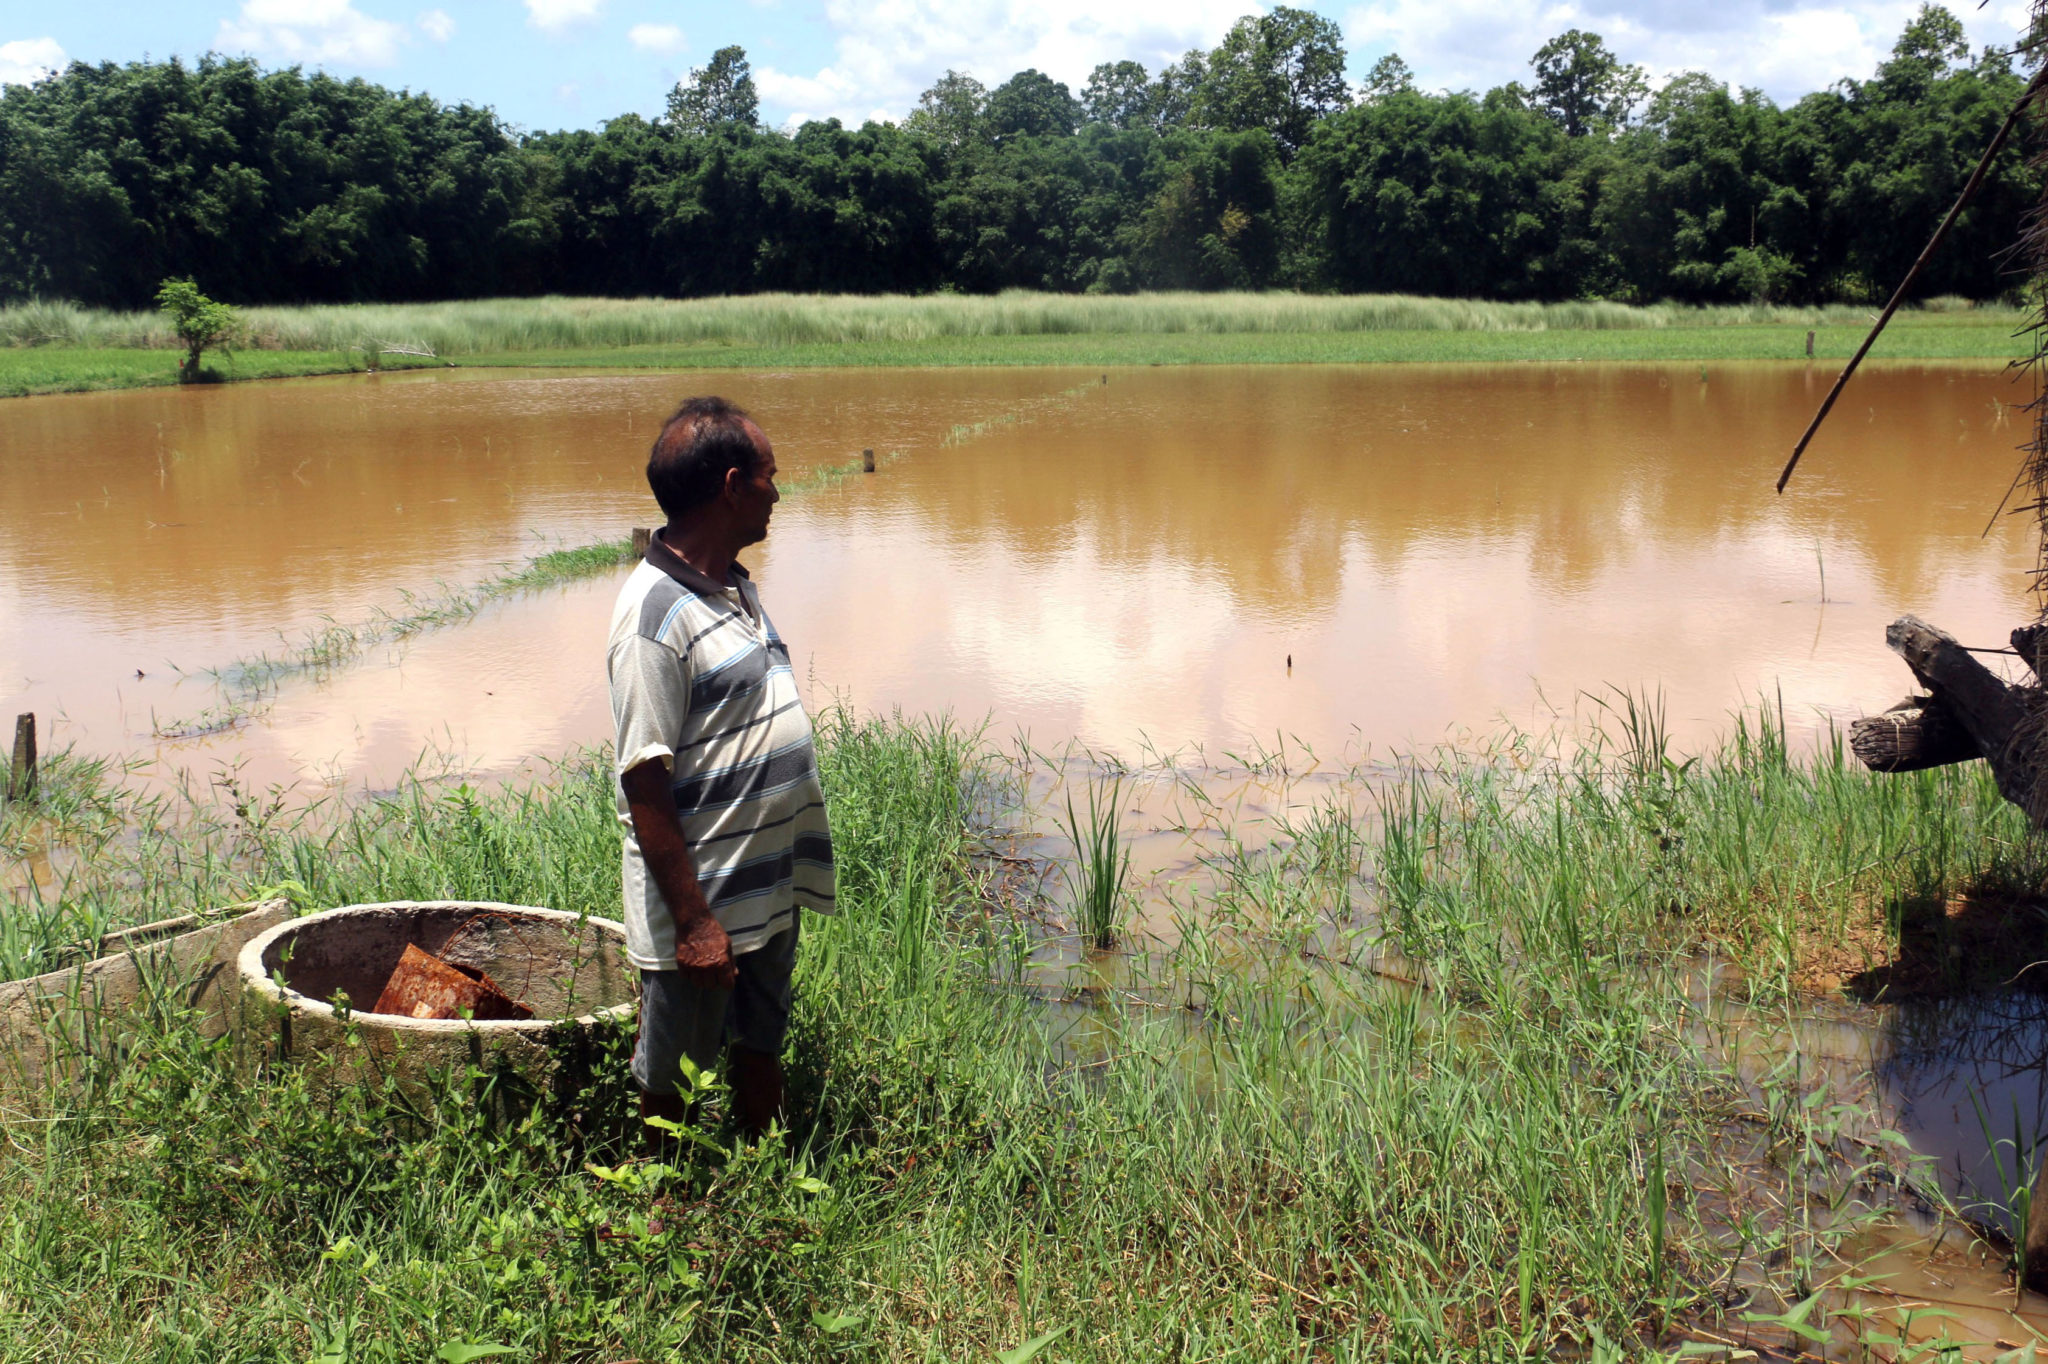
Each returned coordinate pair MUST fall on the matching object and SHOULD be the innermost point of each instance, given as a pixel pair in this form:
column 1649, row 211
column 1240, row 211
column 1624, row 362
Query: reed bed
column 1263, row 1144
column 501, row 326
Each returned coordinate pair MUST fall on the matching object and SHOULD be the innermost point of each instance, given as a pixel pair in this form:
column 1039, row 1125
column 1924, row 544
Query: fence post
column 21, row 773
column 1809, row 345
column 867, row 461
column 643, row 536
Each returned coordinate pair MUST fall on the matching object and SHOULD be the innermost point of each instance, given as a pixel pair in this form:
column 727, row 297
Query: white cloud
column 436, row 24
column 27, row 60
column 889, row 51
column 554, row 15
column 311, row 31
column 662, row 38
column 1788, row 48
column 885, row 52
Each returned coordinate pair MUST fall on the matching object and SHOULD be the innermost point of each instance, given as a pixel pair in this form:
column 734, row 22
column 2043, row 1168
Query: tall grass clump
column 1769, row 855
column 1101, row 865
column 495, row 326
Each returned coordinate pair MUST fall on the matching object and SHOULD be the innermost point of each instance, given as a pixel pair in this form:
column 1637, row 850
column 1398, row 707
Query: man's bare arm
column 703, row 952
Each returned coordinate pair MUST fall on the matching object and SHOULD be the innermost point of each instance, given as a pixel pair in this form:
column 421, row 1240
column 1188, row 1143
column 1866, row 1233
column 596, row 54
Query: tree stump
column 1969, row 712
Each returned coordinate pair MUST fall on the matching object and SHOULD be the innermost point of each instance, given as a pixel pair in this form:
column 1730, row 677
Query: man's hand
column 704, row 954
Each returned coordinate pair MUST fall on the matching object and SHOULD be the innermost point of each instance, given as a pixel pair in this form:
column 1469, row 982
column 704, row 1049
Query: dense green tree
column 720, row 95
column 1241, row 167
column 1212, row 224
column 1584, row 86
column 1031, row 104
column 1425, row 195
column 1892, row 154
column 952, row 113
column 1389, row 76
column 1694, row 208
column 1177, row 94
column 1280, row 71
column 277, row 185
column 1119, row 94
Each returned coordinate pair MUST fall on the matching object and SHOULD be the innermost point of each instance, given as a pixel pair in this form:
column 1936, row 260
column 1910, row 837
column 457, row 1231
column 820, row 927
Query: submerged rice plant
column 1095, row 878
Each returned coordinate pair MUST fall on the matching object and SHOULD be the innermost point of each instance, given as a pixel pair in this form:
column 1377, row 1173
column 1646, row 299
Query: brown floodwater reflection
column 1120, row 559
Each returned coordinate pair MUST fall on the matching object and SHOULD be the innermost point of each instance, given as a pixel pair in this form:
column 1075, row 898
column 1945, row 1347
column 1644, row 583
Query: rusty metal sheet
column 424, row 986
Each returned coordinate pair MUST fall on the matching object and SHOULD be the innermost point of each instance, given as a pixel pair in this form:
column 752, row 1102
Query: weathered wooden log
column 867, row 461
column 1916, row 734
column 1989, row 711
column 643, row 536
column 2030, row 642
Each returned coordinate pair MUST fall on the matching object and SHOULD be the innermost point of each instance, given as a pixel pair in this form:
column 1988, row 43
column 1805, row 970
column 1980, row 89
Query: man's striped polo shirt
column 701, row 681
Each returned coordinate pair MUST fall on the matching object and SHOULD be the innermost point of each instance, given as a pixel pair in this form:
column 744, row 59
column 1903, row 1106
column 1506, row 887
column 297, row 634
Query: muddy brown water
column 1436, row 549
column 1212, row 562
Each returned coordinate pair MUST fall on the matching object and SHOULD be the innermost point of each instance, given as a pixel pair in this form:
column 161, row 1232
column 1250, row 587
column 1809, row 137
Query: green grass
column 1934, row 339
column 1263, row 1145
column 26, row 370
column 53, row 347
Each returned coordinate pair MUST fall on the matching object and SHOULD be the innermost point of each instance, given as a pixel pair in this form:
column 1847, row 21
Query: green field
column 1270, row 1142
column 48, row 348
column 26, row 370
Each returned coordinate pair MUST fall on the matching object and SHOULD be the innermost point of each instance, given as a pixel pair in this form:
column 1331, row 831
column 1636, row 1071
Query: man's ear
column 735, row 483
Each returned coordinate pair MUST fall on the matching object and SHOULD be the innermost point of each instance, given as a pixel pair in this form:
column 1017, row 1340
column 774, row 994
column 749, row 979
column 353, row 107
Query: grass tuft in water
column 1102, row 863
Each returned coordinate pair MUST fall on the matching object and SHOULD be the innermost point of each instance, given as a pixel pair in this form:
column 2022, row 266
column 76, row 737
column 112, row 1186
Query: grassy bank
column 54, row 347
column 1267, row 1145
column 26, row 370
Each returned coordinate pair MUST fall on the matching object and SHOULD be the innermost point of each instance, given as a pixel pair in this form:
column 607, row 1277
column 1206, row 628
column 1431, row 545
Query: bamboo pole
column 1926, row 254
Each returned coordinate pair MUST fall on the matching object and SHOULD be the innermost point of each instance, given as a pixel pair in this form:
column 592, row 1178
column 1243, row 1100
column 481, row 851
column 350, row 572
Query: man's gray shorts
column 679, row 1018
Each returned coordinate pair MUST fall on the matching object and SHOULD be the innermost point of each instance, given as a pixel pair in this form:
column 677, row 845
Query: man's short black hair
column 697, row 446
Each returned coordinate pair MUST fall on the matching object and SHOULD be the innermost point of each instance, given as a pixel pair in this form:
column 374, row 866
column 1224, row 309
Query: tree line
column 1254, row 165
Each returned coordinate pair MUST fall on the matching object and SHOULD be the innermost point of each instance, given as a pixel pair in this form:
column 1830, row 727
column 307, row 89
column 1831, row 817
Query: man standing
column 724, row 821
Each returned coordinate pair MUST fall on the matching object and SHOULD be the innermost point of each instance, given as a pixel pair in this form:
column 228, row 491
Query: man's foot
column 661, row 1143
column 756, row 1091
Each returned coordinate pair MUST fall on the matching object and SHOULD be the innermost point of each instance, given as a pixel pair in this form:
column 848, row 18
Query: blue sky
column 575, row 63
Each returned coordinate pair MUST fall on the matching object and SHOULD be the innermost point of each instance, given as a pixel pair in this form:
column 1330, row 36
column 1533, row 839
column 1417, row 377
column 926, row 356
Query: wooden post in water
column 21, row 773
column 2036, row 1234
column 867, row 461
column 1809, row 345
column 643, row 536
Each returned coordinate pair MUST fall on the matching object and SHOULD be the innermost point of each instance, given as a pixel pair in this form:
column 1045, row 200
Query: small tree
column 721, row 95
column 198, row 321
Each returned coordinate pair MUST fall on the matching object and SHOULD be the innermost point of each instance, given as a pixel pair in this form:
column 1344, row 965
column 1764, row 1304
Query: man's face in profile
column 756, row 495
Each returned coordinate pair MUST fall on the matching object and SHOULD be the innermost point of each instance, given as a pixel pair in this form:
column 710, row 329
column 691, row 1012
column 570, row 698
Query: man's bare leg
column 756, row 1091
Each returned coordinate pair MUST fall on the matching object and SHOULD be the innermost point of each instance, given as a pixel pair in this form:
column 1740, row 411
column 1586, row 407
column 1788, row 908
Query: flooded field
column 1359, row 559
column 1254, row 586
